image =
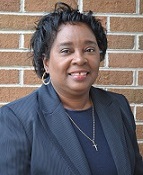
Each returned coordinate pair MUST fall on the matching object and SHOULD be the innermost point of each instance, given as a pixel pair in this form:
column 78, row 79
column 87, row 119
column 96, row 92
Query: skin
column 74, row 64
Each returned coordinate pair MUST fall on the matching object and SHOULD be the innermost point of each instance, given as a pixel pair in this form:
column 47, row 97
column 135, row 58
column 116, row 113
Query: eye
column 65, row 51
column 89, row 49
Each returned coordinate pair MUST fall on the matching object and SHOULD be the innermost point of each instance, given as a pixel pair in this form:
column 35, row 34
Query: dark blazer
column 37, row 138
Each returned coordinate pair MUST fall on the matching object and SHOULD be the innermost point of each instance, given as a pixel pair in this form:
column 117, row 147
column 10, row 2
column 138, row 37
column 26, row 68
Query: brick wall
column 122, row 70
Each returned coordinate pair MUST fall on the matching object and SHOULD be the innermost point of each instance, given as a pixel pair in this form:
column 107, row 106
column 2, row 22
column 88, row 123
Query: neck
column 74, row 101
column 77, row 103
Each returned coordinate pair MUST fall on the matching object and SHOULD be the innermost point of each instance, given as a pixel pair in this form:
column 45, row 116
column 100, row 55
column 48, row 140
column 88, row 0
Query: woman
column 68, row 127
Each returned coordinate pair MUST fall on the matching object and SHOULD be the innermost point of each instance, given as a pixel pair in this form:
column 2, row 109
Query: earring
column 43, row 79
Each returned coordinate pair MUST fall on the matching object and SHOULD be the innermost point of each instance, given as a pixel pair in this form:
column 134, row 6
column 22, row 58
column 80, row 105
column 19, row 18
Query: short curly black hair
column 47, row 29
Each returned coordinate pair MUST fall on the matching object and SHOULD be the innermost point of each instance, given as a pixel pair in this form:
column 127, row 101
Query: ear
column 46, row 65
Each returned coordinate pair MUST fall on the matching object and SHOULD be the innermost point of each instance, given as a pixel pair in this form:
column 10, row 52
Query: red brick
column 132, row 109
column 9, row 76
column 140, row 78
column 9, row 41
column 8, row 94
column 141, row 6
column 133, row 95
column 103, row 21
column 10, row 5
column 14, row 22
column 141, row 148
column 139, row 131
column 102, row 63
column 120, row 42
column 30, row 77
column 128, row 60
column 113, row 6
column 139, row 113
column 115, row 78
column 141, row 42
column 120, row 24
column 27, row 38
column 44, row 5
column 15, row 59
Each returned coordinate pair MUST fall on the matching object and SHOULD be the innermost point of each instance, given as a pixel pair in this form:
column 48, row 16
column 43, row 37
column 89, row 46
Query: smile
column 79, row 73
column 79, row 76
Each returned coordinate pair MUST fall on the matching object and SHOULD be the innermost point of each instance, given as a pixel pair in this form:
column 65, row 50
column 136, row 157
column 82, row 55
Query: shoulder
column 120, row 102
column 108, row 95
column 120, row 99
column 112, row 97
column 20, row 114
column 21, row 107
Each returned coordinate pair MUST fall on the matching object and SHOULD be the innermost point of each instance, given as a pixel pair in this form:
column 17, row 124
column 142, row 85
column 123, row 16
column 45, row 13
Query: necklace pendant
column 95, row 146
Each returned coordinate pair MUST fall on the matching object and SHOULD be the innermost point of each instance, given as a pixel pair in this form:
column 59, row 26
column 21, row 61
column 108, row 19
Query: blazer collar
column 109, row 114
column 61, row 128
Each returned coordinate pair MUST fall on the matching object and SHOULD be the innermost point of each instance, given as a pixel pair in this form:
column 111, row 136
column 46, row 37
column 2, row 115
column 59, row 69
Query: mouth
column 79, row 73
column 79, row 76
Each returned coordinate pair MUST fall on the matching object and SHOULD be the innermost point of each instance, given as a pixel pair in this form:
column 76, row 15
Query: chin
column 80, row 90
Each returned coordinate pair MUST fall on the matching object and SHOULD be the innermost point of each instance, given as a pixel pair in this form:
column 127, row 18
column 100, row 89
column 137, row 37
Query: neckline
column 82, row 110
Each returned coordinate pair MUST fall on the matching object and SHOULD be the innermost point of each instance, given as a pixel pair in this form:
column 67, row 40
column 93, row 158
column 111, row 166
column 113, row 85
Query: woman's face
column 74, row 60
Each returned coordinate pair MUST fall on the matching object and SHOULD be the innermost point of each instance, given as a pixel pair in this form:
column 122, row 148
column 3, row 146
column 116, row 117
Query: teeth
column 79, row 73
column 83, row 73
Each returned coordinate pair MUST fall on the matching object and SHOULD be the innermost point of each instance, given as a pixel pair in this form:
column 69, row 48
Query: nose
column 79, row 58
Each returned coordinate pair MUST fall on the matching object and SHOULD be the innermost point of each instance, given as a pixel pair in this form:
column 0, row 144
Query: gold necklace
column 93, row 134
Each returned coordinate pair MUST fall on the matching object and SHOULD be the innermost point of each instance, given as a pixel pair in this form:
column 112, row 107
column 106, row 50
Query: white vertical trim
column 21, row 41
column 22, row 5
column 21, row 77
column 134, row 78
column 80, row 5
column 138, row 6
column 106, row 61
column 108, row 24
column 135, row 112
column 137, row 77
column 135, row 42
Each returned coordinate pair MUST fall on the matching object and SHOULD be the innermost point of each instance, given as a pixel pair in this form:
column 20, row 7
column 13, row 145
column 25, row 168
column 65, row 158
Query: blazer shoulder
column 109, row 95
column 121, row 101
column 23, row 106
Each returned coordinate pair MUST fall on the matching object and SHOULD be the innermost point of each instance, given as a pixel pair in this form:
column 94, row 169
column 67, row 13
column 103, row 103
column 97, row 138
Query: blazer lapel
column 61, row 129
column 111, row 121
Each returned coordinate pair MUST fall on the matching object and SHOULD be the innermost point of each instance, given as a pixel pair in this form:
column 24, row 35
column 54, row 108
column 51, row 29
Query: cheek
column 56, row 69
column 52, row 64
column 95, row 65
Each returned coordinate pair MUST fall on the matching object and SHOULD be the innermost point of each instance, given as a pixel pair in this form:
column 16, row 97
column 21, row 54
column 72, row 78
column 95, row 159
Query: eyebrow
column 90, row 42
column 65, row 44
column 85, row 42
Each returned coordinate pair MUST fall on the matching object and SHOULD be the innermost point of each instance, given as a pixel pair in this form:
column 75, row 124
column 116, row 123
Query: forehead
column 74, row 32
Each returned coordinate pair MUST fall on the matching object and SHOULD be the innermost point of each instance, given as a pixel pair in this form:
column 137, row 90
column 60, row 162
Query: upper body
column 38, row 136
